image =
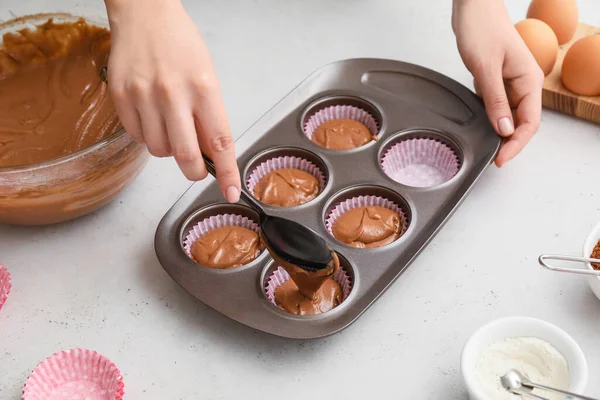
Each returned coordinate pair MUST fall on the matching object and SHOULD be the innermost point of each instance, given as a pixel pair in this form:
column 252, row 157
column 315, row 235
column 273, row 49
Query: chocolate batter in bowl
column 63, row 153
column 72, row 186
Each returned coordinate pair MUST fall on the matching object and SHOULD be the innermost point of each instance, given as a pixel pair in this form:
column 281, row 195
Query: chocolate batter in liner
column 289, row 187
column 295, row 303
column 341, row 127
column 372, row 227
column 224, row 241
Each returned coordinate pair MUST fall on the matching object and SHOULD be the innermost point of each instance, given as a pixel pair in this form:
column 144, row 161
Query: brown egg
column 561, row 15
column 541, row 41
column 581, row 67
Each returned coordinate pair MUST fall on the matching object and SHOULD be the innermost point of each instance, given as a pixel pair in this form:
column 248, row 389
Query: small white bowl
column 522, row 327
column 588, row 247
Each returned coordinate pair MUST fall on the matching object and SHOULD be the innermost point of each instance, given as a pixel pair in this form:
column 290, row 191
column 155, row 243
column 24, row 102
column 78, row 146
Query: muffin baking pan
column 443, row 136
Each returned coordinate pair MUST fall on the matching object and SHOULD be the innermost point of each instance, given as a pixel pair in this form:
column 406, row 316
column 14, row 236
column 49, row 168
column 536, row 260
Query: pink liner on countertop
column 5, row 285
column 420, row 162
column 284, row 162
column 74, row 374
column 280, row 275
column 364, row 201
column 217, row 221
column 340, row 112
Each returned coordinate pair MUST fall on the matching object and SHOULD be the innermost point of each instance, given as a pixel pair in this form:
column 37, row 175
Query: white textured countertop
column 96, row 283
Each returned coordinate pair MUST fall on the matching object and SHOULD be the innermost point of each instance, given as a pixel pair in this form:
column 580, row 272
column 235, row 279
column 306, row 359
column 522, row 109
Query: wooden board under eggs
column 555, row 96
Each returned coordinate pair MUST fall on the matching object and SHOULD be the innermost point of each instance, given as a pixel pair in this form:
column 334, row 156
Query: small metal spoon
column 290, row 241
column 516, row 383
column 543, row 262
column 104, row 75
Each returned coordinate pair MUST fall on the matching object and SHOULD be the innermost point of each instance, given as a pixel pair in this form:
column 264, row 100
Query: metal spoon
column 516, row 383
column 290, row 241
column 543, row 262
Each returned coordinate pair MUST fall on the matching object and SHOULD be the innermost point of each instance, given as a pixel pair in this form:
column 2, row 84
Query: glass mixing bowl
column 70, row 186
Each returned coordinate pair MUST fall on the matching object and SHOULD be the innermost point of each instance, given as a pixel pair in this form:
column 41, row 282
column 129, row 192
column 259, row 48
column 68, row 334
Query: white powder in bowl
column 536, row 359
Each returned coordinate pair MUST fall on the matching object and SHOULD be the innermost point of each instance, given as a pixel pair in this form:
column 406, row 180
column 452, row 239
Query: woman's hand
column 507, row 76
column 166, row 91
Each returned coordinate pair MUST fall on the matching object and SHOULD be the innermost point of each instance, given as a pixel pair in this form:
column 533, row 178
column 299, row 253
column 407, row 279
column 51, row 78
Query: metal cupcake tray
column 408, row 102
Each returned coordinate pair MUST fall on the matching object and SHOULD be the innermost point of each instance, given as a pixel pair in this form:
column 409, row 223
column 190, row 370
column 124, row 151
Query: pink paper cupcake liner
column 5, row 285
column 363, row 201
column 210, row 223
column 420, row 162
column 74, row 374
column 340, row 112
column 284, row 162
column 280, row 275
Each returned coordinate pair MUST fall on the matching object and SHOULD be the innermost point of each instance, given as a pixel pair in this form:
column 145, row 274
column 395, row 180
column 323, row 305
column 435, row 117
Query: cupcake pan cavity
column 367, row 195
column 214, row 216
column 389, row 92
column 213, row 222
column 420, row 158
column 274, row 275
column 285, row 157
column 341, row 111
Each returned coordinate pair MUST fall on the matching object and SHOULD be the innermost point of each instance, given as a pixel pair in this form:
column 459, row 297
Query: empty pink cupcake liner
column 340, row 112
column 420, row 162
column 284, row 162
column 364, row 201
column 217, row 221
column 5, row 285
column 75, row 374
column 280, row 275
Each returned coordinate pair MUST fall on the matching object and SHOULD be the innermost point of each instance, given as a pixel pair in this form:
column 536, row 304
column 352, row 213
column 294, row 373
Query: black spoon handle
column 210, row 166
column 247, row 197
